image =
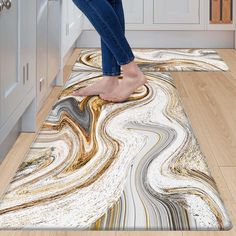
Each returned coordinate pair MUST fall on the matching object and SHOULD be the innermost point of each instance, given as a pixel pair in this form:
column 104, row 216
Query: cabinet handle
column 5, row 3
column 23, row 74
column 27, row 71
column 1, row 6
column 40, row 84
column 67, row 29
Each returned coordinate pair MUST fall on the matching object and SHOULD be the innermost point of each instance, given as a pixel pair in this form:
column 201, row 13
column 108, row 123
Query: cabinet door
column 134, row 11
column 176, row 12
column 54, row 25
column 73, row 15
column 73, row 24
column 27, row 19
column 1, row 69
column 11, row 84
column 42, row 56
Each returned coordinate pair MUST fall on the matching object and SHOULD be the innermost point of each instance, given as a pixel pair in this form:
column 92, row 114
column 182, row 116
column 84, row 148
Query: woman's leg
column 104, row 19
column 111, row 69
column 110, row 66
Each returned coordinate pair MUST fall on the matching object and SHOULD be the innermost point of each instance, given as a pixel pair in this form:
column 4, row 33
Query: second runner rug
column 158, row 60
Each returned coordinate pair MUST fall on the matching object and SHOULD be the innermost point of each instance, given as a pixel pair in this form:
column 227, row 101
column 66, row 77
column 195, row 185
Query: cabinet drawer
column 11, row 93
column 134, row 11
column 17, row 60
column 176, row 12
column 27, row 43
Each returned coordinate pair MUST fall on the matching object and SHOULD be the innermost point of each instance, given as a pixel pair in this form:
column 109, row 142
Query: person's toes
column 83, row 92
column 87, row 91
column 106, row 97
column 75, row 93
column 80, row 92
column 112, row 98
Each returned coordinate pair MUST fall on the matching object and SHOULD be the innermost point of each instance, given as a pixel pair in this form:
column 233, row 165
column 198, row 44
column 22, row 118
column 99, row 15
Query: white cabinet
column 27, row 43
column 59, row 24
column 48, row 47
column 17, row 62
column 72, row 23
column 176, row 12
column 134, row 11
column 42, row 51
column 162, row 15
column 54, row 39
column 168, row 15
column 168, row 23
column 11, row 84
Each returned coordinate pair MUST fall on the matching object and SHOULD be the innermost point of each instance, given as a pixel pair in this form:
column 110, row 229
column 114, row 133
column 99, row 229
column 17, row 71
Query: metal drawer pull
column 23, row 74
column 5, row 3
column 27, row 71
column 1, row 6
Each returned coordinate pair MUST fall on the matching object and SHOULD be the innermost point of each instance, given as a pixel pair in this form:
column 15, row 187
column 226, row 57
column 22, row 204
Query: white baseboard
column 166, row 39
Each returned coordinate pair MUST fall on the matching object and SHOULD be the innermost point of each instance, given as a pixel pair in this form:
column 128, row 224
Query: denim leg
column 109, row 63
column 106, row 22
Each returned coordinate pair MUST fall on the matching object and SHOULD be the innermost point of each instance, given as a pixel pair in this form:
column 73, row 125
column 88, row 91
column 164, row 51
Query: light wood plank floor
column 209, row 99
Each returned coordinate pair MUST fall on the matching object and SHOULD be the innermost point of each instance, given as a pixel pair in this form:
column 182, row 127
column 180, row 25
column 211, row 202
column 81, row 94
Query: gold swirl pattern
column 130, row 165
column 159, row 60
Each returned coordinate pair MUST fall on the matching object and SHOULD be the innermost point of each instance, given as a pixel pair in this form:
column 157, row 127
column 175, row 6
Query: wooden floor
column 209, row 99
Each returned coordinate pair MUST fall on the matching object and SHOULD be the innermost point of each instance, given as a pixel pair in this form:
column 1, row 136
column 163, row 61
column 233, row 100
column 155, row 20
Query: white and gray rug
column 134, row 165
column 159, row 60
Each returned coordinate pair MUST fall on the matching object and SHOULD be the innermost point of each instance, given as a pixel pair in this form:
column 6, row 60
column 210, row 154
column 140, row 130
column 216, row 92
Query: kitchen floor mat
column 97, row 165
column 159, row 60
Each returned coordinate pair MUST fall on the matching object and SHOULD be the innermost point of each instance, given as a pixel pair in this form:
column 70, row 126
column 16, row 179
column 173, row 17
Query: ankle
column 131, row 69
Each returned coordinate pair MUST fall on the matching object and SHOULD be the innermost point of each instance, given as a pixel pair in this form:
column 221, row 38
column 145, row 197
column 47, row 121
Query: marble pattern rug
column 97, row 165
column 159, row 60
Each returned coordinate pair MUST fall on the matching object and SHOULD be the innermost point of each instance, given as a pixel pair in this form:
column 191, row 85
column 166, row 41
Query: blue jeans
column 107, row 17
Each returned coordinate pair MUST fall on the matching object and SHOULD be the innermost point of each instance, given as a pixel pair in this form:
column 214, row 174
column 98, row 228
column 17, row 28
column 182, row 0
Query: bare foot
column 126, row 87
column 106, row 84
